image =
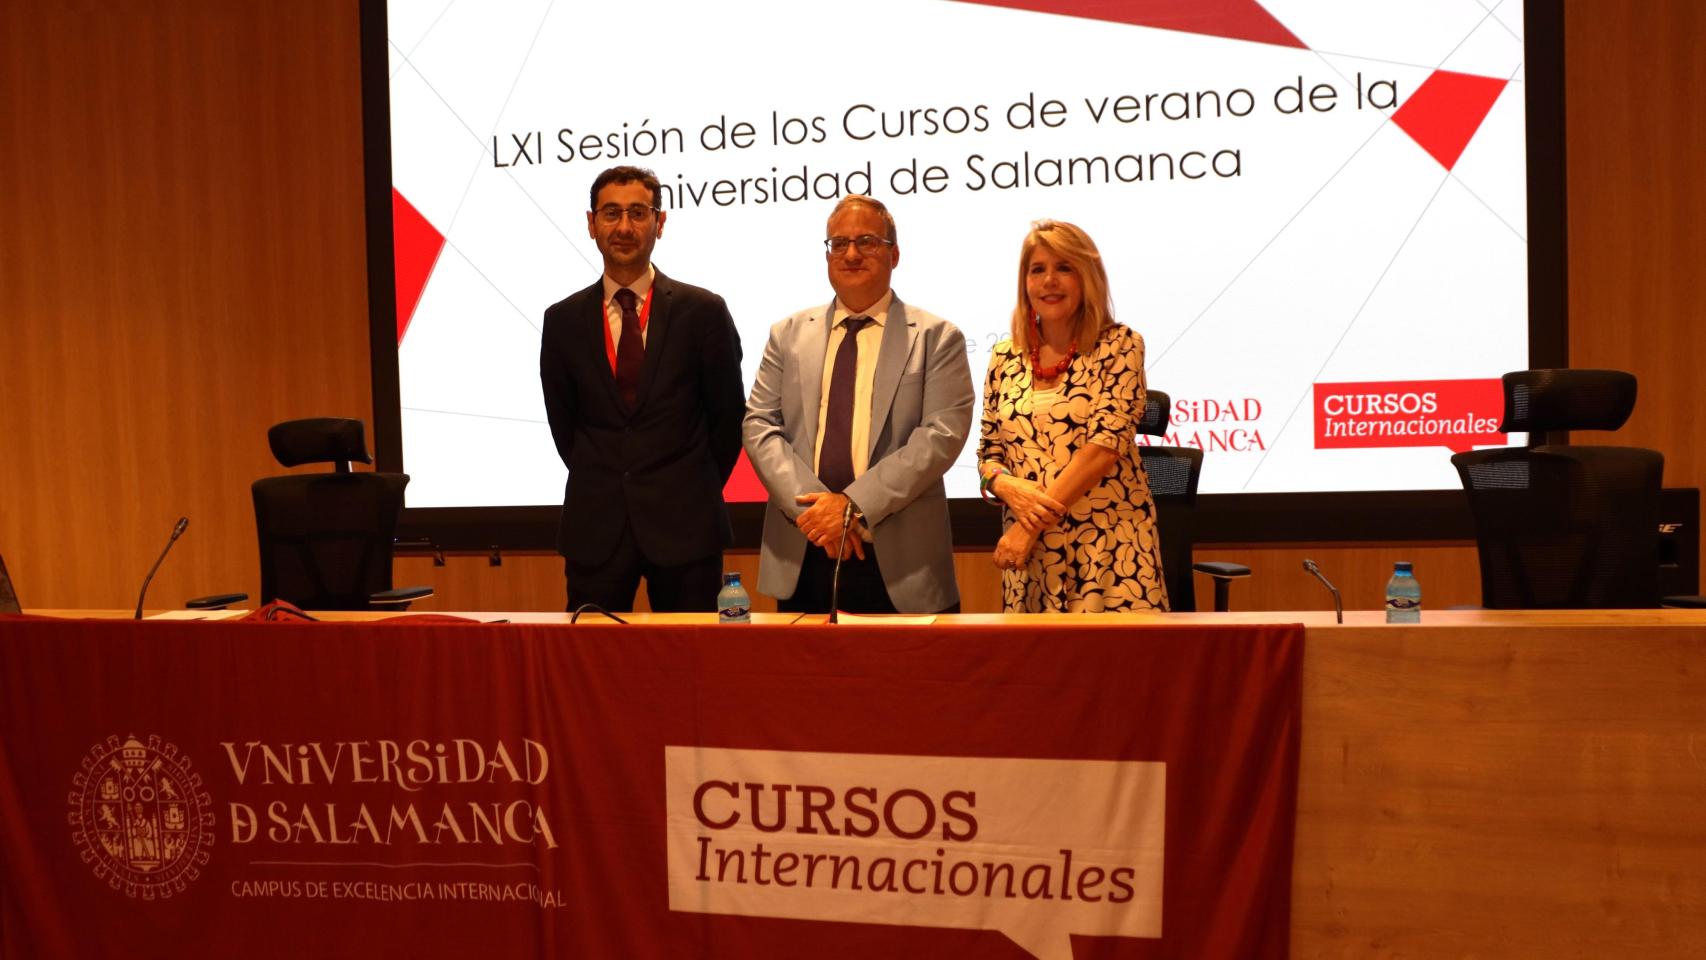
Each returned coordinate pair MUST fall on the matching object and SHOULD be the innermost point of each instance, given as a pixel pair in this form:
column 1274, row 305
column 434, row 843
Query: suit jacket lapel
column 591, row 340
column 813, row 344
column 891, row 362
column 657, row 329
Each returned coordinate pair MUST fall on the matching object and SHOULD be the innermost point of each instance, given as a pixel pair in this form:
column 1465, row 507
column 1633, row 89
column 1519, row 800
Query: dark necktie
column 630, row 349
column 835, row 457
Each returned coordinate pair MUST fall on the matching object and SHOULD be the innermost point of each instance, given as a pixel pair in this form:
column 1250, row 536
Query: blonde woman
column 1060, row 408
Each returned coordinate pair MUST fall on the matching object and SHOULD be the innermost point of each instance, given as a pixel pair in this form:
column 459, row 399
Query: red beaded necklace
column 1039, row 372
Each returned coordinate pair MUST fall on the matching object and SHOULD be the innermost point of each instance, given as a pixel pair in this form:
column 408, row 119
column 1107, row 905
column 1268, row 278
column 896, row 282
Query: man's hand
column 1032, row 509
column 1013, row 550
column 821, row 524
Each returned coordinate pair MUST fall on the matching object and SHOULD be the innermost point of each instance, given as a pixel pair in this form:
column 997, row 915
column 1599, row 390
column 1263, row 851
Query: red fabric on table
column 1218, row 705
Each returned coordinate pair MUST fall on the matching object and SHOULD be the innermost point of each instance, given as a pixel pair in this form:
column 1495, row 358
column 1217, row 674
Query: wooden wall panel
column 182, row 213
column 181, row 205
column 527, row 581
column 535, row 582
column 1447, row 571
column 1636, row 90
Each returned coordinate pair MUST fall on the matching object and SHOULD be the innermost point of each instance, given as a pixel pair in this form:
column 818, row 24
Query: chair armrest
column 1220, row 569
column 401, row 595
column 1223, row 573
column 216, row 601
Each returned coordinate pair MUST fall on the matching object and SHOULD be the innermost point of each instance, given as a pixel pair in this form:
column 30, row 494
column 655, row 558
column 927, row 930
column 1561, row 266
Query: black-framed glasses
column 867, row 244
column 637, row 214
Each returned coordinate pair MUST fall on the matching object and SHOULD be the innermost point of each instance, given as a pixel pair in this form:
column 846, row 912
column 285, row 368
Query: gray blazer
column 921, row 408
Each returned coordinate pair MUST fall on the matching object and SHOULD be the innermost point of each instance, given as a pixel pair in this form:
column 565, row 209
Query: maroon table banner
column 189, row 790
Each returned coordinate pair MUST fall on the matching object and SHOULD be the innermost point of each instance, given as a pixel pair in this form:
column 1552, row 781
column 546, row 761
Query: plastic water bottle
column 733, row 605
column 1403, row 596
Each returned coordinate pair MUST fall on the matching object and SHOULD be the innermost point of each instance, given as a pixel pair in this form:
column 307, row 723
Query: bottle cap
column 1402, row 566
column 731, row 579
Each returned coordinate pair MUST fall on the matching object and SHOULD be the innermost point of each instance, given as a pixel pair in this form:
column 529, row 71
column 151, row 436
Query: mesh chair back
column 1565, row 526
column 327, row 539
column 1173, row 473
column 1157, row 411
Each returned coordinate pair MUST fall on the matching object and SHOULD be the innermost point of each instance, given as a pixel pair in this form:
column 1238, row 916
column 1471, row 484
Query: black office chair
column 1173, row 474
column 1559, row 525
column 327, row 538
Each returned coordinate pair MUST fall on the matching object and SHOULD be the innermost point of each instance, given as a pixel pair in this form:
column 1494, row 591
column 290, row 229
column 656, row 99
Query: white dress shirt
column 870, row 343
column 613, row 310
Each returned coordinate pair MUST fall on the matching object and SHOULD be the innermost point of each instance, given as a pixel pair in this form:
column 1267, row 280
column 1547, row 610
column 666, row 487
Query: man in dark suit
column 642, row 385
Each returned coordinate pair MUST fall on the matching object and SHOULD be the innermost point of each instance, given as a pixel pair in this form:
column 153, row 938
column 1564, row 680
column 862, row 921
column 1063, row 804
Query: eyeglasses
column 866, row 244
column 637, row 214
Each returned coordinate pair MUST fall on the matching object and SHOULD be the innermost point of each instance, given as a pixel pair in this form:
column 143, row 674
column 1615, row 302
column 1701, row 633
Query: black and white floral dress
column 1106, row 553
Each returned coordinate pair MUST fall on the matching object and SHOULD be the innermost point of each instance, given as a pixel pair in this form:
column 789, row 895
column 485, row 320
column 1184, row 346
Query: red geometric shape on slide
column 417, row 245
column 1446, row 110
column 1232, row 19
column 744, row 485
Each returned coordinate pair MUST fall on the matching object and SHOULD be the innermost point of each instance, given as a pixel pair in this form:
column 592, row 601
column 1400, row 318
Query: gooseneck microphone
column 835, row 578
column 1338, row 604
column 177, row 531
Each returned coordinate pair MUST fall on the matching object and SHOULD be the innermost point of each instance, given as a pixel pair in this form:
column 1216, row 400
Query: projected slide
column 1312, row 210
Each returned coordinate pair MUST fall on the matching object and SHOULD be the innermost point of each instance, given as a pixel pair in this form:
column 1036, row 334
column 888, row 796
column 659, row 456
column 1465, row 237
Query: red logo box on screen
column 1455, row 414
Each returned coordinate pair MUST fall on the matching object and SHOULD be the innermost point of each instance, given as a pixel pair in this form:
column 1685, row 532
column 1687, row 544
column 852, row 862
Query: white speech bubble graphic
column 1037, row 849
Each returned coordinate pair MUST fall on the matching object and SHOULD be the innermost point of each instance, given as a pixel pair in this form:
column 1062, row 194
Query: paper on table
column 886, row 619
column 197, row 615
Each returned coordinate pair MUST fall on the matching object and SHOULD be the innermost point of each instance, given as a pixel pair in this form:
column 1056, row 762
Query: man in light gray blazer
column 858, row 409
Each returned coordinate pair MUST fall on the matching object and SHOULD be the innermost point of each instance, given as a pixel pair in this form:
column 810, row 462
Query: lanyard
column 609, row 341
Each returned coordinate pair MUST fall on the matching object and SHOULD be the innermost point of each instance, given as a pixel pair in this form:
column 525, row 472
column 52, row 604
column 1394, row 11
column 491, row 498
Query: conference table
column 1484, row 783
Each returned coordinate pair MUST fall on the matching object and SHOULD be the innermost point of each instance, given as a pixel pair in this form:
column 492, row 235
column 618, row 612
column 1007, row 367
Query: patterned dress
column 1106, row 553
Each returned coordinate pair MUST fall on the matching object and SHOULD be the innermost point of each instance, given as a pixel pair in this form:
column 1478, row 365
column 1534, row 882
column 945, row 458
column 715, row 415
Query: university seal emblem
column 140, row 817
